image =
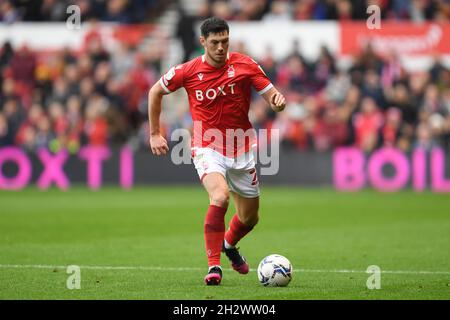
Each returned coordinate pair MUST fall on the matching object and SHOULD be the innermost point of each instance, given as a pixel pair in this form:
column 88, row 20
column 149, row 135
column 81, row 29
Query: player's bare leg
column 246, row 209
column 217, row 188
column 243, row 221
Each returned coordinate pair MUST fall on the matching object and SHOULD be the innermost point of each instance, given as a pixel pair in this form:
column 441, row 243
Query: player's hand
column 158, row 144
column 277, row 102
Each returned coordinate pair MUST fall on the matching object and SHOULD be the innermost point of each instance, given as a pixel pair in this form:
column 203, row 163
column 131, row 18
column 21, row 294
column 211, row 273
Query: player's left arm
column 265, row 88
column 275, row 99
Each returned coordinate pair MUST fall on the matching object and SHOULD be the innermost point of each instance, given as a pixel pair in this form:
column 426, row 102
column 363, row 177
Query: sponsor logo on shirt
column 211, row 93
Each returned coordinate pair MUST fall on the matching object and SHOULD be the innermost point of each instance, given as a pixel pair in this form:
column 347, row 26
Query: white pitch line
column 148, row 268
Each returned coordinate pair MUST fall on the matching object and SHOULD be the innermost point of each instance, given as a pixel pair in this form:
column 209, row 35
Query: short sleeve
column 173, row 79
column 258, row 77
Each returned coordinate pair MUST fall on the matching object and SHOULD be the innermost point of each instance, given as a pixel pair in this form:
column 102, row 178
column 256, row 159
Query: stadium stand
column 68, row 98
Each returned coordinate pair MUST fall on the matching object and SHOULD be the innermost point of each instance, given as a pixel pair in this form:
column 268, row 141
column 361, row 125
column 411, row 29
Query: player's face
column 216, row 46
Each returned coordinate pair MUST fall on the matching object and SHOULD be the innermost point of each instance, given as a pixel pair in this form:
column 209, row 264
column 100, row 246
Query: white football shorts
column 240, row 172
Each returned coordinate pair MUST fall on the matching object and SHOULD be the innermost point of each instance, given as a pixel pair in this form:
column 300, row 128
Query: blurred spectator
column 302, row 10
column 60, row 91
column 289, row 131
column 391, row 70
column 269, row 64
column 424, row 138
column 443, row 80
column 337, row 87
column 279, row 11
column 8, row 91
column 400, row 9
column 95, row 126
column 23, row 66
column 341, row 10
column 258, row 114
column 311, row 9
column 445, row 102
column 87, row 9
column 324, row 68
column 94, row 48
column 401, row 99
column 367, row 124
column 6, row 55
column 44, row 135
column 53, row 10
column 13, row 113
column 421, row 10
column 101, row 75
column 430, row 103
column 391, row 129
column 240, row 46
column 296, row 51
column 438, row 127
column 294, row 75
column 372, row 87
column 117, row 11
column 329, row 131
column 85, row 65
column 87, row 88
column 249, row 10
column 8, row 13
column 222, row 9
column 5, row 134
column 74, row 124
column 367, row 59
column 185, row 30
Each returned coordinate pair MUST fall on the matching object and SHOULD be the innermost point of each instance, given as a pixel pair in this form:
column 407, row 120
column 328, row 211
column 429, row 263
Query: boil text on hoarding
column 353, row 170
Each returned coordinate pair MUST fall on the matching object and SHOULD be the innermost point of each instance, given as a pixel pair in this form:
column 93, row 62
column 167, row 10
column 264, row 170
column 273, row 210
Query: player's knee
column 220, row 199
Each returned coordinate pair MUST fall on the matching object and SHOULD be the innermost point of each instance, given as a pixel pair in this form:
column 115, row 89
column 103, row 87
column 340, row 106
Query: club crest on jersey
column 230, row 71
column 200, row 76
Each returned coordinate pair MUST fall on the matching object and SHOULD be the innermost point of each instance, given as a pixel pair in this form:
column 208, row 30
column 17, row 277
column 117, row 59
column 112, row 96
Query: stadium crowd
column 65, row 99
column 242, row 10
column 121, row 11
column 374, row 103
column 137, row 11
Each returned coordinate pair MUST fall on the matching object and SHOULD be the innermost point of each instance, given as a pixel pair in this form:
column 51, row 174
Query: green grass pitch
column 147, row 243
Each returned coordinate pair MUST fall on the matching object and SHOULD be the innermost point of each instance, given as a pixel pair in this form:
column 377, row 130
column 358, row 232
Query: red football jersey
column 219, row 99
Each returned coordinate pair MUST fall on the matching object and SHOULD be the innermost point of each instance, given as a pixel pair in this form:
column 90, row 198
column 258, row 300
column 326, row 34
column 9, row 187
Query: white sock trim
column 209, row 269
column 227, row 245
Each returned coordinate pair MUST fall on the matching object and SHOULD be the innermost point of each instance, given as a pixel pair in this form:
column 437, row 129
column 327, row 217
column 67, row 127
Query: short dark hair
column 213, row 25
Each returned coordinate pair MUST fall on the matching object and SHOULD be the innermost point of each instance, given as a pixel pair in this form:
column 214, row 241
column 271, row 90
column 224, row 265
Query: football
column 275, row 271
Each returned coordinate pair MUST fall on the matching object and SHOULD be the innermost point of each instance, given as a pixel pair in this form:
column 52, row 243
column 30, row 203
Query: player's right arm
column 158, row 144
column 170, row 82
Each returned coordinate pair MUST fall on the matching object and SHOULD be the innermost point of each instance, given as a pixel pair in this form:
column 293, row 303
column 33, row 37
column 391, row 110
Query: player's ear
column 202, row 41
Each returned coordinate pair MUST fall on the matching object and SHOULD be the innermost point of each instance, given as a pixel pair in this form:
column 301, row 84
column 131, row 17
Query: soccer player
column 218, row 85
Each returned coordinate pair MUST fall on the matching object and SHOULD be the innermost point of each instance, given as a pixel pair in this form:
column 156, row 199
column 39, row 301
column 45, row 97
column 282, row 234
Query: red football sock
column 236, row 231
column 214, row 231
